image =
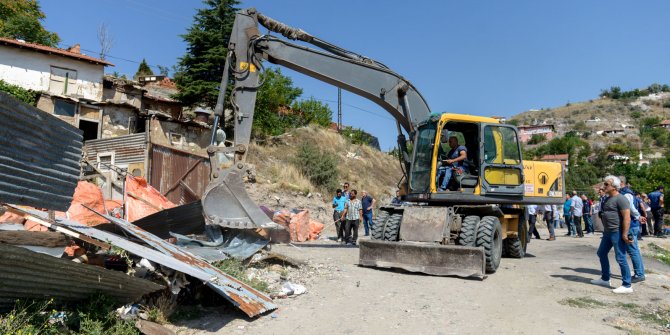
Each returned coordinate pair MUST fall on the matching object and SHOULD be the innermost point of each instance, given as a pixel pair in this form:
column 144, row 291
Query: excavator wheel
column 392, row 227
column 515, row 247
column 377, row 231
column 489, row 236
column 468, row 232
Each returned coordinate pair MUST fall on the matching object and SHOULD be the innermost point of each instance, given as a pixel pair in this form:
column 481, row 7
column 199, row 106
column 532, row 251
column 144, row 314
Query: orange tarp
column 142, row 199
column 90, row 195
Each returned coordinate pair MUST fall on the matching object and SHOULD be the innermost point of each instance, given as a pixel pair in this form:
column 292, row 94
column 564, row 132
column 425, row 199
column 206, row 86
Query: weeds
column 582, row 302
column 317, row 165
column 236, row 269
column 659, row 253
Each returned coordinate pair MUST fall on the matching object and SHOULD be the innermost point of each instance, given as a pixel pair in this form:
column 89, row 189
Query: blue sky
column 472, row 57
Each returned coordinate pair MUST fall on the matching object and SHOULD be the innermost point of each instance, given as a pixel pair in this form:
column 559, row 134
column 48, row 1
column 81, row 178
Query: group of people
column 349, row 212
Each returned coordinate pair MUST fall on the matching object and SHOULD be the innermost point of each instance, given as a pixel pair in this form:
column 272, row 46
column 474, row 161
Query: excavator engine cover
column 430, row 258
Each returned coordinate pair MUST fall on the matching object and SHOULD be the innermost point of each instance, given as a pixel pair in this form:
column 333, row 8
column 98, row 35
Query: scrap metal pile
column 60, row 239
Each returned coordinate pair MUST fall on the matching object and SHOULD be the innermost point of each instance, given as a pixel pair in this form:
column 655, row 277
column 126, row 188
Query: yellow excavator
column 460, row 226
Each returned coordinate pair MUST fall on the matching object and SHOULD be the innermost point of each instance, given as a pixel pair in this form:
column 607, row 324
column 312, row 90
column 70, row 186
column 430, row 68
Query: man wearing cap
column 656, row 202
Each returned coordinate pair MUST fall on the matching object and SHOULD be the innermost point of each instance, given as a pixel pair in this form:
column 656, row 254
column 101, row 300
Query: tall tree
column 22, row 19
column 143, row 69
column 198, row 74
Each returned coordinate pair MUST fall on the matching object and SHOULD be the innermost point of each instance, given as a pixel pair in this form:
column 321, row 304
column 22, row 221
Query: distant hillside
column 591, row 119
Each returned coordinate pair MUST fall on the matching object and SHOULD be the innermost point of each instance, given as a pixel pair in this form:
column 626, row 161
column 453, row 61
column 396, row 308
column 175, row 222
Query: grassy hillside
column 628, row 114
column 362, row 166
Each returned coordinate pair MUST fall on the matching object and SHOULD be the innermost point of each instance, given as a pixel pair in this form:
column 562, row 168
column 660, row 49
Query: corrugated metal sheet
column 127, row 149
column 241, row 295
column 25, row 274
column 184, row 219
column 170, row 166
column 39, row 156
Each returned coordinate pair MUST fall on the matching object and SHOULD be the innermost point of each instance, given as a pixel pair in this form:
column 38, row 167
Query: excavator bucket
column 226, row 203
column 430, row 258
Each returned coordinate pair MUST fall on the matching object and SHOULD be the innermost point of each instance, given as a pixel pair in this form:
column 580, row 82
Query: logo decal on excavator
column 246, row 66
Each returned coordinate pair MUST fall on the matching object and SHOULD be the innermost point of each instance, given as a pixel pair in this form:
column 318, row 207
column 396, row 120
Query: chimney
column 75, row 49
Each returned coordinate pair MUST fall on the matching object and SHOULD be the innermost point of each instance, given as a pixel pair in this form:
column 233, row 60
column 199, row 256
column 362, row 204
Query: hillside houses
column 527, row 132
column 128, row 126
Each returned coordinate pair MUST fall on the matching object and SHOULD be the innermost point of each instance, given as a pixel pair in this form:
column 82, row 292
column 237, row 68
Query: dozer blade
column 434, row 259
column 226, row 203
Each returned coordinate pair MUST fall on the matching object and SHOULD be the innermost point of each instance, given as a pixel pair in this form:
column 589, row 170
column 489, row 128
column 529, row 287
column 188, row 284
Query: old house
column 145, row 134
column 560, row 158
column 664, row 124
column 69, row 81
column 527, row 132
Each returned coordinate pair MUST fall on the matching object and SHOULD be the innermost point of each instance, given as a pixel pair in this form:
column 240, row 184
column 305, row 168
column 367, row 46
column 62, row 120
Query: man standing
column 352, row 213
column 368, row 204
column 616, row 222
column 396, row 200
column 567, row 207
column 345, row 191
column 633, row 232
column 657, row 204
column 588, row 211
column 338, row 205
column 549, row 220
column 576, row 208
column 531, row 213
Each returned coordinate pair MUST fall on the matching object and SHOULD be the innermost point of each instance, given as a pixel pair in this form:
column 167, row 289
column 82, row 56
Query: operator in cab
column 452, row 164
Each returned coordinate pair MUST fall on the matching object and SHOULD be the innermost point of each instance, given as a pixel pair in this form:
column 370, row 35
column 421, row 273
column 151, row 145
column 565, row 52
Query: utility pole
column 339, row 109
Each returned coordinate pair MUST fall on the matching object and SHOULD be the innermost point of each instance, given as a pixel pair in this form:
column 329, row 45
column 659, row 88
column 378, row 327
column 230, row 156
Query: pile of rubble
column 60, row 239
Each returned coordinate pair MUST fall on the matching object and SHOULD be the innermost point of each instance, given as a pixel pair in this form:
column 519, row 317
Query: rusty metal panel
column 25, row 274
column 423, row 223
column 180, row 176
column 39, row 156
column 241, row 295
column 430, row 258
column 127, row 149
column 184, row 219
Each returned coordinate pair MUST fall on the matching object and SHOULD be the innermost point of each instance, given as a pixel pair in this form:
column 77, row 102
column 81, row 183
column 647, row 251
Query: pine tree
column 143, row 70
column 198, row 74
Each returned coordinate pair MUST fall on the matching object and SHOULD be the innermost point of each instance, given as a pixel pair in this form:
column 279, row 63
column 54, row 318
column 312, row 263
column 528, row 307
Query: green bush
column 27, row 96
column 536, row 139
column 319, row 166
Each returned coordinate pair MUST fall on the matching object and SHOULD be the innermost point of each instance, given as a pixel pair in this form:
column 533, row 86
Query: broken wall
column 191, row 139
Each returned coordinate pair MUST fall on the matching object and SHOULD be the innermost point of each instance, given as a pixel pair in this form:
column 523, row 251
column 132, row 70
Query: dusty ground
column 548, row 292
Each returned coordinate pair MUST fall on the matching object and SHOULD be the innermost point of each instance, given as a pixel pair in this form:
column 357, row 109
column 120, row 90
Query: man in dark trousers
column 616, row 222
column 368, row 203
column 353, row 212
column 338, row 207
column 657, row 204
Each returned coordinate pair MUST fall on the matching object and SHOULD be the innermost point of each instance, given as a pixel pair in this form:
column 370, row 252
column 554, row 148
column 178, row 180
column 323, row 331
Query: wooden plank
column 49, row 239
column 56, row 227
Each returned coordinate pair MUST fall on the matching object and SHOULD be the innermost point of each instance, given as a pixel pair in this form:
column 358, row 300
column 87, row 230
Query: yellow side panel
column 543, row 179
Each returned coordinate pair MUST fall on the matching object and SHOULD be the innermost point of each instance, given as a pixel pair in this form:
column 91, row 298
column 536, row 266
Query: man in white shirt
column 576, row 213
column 531, row 214
column 548, row 216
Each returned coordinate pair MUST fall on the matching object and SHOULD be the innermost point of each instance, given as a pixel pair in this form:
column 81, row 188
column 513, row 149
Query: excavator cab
column 492, row 166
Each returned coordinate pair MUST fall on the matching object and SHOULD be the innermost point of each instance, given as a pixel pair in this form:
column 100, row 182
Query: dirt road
column 548, row 292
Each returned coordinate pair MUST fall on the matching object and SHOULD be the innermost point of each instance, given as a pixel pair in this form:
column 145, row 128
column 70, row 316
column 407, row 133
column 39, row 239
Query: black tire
column 468, row 233
column 515, row 247
column 489, row 236
column 392, row 227
column 377, row 232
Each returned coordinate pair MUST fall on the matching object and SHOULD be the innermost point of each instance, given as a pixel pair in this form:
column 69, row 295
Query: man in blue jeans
column 453, row 163
column 368, row 204
column 616, row 224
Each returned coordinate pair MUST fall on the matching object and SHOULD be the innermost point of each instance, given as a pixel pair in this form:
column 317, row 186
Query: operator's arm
column 661, row 201
column 462, row 155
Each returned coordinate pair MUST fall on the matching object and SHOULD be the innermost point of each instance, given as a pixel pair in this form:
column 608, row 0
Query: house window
column 176, row 139
column 105, row 161
column 64, row 107
column 63, row 81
